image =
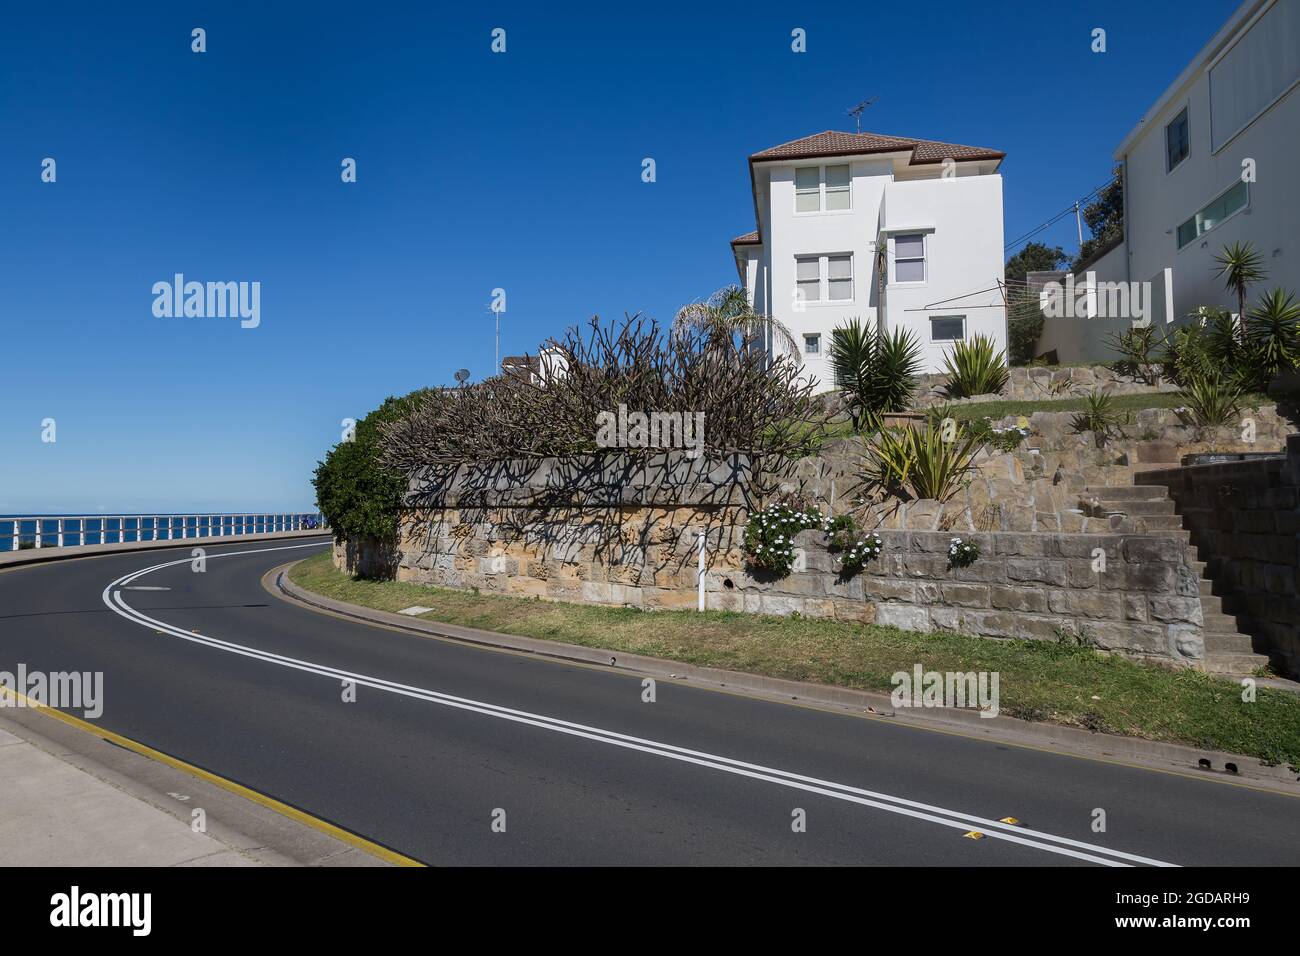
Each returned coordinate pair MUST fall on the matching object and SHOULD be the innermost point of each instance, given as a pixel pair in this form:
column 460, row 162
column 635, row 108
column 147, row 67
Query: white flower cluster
column 779, row 514
column 1022, row 432
column 865, row 549
column 962, row 552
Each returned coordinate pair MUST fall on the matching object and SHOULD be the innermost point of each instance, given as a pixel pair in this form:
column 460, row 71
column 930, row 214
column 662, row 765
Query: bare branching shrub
column 751, row 403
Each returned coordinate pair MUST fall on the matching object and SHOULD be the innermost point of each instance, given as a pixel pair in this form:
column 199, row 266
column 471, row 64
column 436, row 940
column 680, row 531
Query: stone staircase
column 1229, row 648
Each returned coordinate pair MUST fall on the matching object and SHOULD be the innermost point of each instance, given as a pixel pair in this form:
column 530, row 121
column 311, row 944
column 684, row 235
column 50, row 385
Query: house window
column 808, row 278
column 840, row 278
column 812, row 345
column 909, row 258
column 947, row 328
column 822, row 188
column 837, row 187
column 1213, row 213
column 837, row 270
column 1177, row 145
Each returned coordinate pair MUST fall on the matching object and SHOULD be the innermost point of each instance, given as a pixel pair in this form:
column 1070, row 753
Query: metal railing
column 19, row 532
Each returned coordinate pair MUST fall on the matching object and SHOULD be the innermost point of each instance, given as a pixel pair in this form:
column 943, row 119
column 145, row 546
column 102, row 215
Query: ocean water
column 21, row 531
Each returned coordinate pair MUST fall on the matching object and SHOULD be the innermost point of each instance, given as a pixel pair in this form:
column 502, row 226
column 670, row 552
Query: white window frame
column 821, row 209
column 816, row 339
column 924, row 260
column 1200, row 209
column 824, row 278
column 1187, row 112
column 961, row 338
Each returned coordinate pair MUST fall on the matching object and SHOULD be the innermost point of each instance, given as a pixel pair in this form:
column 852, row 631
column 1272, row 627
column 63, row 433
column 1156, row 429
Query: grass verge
column 1039, row 680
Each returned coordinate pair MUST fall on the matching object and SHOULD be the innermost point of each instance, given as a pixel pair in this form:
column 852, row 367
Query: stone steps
column 1229, row 648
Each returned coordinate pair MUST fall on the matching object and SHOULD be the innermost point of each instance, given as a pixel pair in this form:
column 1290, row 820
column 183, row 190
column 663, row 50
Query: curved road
column 443, row 738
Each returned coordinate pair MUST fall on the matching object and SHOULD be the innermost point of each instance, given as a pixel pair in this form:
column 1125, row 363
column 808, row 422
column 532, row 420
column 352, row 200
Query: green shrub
column 355, row 492
column 1136, row 347
column 1001, row 439
column 877, row 372
column 769, row 535
column 1022, row 338
column 974, row 368
column 1273, row 333
column 926, row 462
column 962, row 553
column 1100, row 417
column 1210, row 400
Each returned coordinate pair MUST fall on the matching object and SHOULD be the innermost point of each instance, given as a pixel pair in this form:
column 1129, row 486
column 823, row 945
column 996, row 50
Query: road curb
column 1074, row 741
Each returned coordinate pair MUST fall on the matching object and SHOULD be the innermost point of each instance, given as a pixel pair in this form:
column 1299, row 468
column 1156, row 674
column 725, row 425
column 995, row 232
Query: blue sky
column 475, row 171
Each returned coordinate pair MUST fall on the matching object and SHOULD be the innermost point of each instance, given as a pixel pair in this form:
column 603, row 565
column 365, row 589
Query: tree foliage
column 355, row 491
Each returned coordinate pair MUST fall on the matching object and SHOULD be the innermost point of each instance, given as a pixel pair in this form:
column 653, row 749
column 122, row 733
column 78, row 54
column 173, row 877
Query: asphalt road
column 443, row 739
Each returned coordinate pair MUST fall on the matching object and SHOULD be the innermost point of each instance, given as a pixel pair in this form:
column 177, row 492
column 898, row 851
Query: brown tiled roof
column 748, row 239
column 833, row 143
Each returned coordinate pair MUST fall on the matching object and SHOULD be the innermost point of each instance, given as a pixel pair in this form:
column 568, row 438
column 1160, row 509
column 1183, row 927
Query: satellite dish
column 462, row 376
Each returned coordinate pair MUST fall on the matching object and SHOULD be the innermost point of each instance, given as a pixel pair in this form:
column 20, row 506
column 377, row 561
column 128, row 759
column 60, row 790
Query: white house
column 1212, row 162
column 898, row 232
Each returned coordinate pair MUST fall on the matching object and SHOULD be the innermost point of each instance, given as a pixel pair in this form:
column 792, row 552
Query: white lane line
column 141, row 587
column 951, row 818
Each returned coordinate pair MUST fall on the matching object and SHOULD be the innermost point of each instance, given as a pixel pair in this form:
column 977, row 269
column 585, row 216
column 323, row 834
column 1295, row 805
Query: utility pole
column 1078, row 222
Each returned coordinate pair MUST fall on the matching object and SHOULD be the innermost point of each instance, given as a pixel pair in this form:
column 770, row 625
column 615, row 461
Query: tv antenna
column 857, row 111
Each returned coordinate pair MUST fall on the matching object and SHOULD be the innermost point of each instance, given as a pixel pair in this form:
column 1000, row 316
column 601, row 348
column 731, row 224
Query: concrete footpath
column 71, row 798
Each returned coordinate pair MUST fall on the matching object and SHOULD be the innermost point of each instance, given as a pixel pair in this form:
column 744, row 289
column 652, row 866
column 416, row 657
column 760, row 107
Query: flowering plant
column 962, row 554
column 769, row 535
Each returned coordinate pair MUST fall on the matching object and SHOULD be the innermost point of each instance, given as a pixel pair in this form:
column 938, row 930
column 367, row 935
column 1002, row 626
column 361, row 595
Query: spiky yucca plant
column 876, row 371
column 975, row 368
column 927, row 462
column 1211, row 400
column 1273, row 331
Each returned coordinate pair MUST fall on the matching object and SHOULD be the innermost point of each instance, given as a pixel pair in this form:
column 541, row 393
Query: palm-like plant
column 1240, row 266
column 974, row 368
column 728, row 312
column 1210, row 400
column 1273, row 331
column 877, row 372
column 921, row 462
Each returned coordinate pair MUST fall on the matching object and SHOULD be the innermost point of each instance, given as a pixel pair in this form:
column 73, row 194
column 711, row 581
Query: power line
column 1067, row 211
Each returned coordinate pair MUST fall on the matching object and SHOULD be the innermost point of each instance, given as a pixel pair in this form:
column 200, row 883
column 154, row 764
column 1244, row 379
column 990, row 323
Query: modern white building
column 1212, row 162
column 897, row 232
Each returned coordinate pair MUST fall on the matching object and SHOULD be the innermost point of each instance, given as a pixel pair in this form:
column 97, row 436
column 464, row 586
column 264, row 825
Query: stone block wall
column 1245, row 519
column 1143, row 600
column 623, row 531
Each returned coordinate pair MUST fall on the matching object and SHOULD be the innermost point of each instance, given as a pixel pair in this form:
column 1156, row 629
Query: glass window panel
column 837, row 177
column 841, row 267
column 841, row 289
column 909, row 247
column 837, row 199
column 806, row 177
column 808, row 268
column 948, row 328
column 807, row 202
column 909, row 270
column 812, row 344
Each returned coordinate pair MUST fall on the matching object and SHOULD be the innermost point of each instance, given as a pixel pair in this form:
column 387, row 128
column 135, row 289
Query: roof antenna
column 858, row 110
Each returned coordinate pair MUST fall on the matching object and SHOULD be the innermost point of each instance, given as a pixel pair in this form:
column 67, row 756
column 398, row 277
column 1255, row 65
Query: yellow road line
column 293, row 813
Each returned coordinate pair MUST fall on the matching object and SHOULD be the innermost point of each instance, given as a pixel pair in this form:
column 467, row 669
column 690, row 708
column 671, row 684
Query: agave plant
column 1273, row 330
column 1240, row 266
column 1211, row 400
column 974, row 368
column 876, row 371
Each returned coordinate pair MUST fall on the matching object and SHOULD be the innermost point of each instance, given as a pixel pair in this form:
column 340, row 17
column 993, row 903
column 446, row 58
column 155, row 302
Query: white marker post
column 700, row 574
